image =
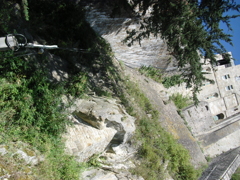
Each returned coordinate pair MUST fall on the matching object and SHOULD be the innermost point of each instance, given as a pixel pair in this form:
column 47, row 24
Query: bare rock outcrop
column 96, row 174
column 101, row 126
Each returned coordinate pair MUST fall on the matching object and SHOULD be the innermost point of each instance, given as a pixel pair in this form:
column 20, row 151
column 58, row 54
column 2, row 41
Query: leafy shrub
column 172, row 81
column 31, row 98
column 77, row 85
column 94, row 161
column 31, row 112
column 25, row 9
column 180, row 101
column 5, row 17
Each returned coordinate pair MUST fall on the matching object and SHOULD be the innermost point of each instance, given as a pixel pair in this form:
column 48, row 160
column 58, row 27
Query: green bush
column 31, row 99
column 180, row 101
column 77, row 85
column 172, row 81
column 31, row 112
column 25, row 9
column 5, row 17
column 158, row 149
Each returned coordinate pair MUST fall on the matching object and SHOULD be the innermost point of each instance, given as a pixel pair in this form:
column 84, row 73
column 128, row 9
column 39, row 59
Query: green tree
column 191, row 28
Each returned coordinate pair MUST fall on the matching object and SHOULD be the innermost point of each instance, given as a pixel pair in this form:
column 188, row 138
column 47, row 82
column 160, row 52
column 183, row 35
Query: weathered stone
column 100, row 112
column 22, row 150
column 17, row 160
column 90, row 118
column 98, row 122
column 97, row 174
column 118, row 158
column 58, row 68
column 152, row 51
column 33, row 160
column 83, row 140
column 3, row 151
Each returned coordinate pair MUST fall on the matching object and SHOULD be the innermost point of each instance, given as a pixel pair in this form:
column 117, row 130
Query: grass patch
column 236, row 175
column 157, row 76
column 57, row 164
column 151, row 72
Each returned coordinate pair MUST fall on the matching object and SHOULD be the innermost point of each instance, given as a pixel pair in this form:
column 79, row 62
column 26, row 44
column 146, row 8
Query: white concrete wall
column 224, row 144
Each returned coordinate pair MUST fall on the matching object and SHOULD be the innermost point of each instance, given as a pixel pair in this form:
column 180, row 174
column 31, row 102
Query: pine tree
column 189, row 27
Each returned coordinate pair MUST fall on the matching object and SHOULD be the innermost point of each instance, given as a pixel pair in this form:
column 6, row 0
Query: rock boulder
column 99, row 124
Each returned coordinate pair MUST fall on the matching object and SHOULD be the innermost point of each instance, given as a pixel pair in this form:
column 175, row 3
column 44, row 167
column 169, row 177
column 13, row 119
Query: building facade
column 215, row 122
column 223, row 94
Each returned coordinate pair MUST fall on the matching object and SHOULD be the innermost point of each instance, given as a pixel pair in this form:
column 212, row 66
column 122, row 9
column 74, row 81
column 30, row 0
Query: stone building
column 222, row 95
column 215, row 122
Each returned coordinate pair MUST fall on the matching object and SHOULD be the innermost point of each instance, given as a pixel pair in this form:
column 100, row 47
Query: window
column 208, row 69
column 207, row 83
column 225, row 62
column 228, row 88
column 218, row 116
column 227, row 76
column 207, row 108
column 214, row 95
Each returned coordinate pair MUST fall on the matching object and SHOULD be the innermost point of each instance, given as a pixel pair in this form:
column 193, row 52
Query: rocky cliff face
column 151, row 52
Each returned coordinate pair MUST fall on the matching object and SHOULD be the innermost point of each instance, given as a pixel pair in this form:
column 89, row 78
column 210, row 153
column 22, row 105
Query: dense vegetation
column 30, row 104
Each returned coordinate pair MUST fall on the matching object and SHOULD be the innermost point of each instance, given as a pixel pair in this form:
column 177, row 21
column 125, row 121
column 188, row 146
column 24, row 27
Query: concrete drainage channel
column 223, row 167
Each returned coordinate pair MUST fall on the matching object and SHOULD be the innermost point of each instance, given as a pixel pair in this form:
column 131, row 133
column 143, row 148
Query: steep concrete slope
column 169, row 117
